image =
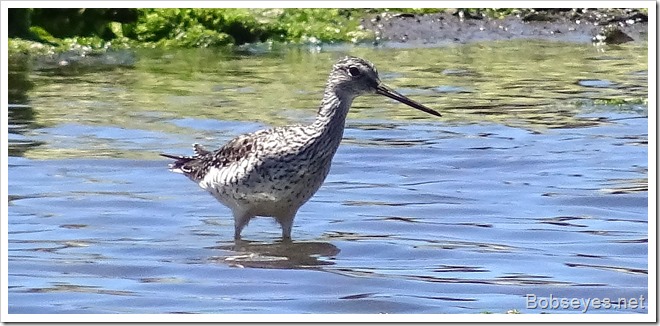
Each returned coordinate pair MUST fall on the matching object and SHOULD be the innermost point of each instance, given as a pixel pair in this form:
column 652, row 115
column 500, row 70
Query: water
column 532, row 183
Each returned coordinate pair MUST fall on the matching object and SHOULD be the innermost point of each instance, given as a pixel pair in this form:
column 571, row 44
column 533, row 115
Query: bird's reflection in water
column 281, row 255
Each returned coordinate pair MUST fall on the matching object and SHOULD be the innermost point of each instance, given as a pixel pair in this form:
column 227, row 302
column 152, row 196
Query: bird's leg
column 286, row 221
column 241, row 219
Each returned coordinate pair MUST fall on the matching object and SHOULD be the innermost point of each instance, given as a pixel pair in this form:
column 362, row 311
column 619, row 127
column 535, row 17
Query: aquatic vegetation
column 57, row 30
column 320, row 25
column 196, row 27
column 99, row 29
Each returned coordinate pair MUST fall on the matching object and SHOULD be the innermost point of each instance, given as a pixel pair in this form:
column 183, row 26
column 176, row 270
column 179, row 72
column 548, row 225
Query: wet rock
column 534, row 16
column 612, row 35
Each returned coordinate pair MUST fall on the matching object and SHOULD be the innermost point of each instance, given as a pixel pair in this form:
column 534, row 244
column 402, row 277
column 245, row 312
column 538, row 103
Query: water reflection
column 280, row 255
column 509, row 83
column 69, row 288
column 21, row 123
column 18, row 79
column 21, row 115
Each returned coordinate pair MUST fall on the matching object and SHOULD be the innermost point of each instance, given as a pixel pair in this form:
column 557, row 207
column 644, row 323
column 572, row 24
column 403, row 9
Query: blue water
column 543, row 193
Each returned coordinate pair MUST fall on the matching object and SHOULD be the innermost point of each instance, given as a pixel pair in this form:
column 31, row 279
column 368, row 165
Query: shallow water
column 530, row 183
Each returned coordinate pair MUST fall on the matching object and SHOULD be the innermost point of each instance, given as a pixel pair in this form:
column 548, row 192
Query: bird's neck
column 328, row 128
column 331, row 116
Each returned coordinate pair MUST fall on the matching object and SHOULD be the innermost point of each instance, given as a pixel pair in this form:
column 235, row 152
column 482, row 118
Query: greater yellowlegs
column 275, row 171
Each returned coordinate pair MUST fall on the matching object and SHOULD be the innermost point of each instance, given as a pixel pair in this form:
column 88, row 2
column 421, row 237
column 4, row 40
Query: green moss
column 319, row 26
column 41, row 34
column 196, row 27
column 19, row 45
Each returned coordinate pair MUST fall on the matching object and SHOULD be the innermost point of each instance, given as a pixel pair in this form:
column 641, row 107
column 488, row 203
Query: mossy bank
column 57, row 30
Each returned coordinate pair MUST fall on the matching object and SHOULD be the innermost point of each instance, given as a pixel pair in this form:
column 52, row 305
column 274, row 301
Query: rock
column 612, row 35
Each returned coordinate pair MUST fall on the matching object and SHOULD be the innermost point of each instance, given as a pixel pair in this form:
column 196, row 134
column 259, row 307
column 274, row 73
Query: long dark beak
column 386, row 91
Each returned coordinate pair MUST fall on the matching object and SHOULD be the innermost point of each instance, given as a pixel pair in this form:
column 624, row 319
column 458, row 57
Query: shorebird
column 273, row 172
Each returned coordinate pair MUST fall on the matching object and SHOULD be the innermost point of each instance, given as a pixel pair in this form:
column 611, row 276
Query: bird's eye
column 354, row 71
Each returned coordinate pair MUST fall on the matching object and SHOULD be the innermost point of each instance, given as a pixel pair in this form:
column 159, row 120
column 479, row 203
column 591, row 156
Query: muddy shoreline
column 611, row 26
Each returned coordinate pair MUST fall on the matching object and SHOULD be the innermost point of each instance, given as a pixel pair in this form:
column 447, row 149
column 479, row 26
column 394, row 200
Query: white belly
column 265, row 190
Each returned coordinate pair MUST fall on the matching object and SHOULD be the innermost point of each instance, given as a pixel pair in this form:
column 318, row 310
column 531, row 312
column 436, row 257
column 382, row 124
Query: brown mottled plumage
column 273, row 172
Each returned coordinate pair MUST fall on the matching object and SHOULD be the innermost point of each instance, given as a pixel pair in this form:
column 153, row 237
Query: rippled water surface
column 534, row 182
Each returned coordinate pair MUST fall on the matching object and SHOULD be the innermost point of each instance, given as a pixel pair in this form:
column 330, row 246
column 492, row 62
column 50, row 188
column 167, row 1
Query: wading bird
column 273, row 172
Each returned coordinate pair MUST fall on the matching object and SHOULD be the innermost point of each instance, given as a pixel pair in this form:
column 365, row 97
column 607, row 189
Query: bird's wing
column 196, row 166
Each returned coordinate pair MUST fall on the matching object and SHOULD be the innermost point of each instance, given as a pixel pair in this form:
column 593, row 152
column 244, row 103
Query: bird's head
column 352, row 77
